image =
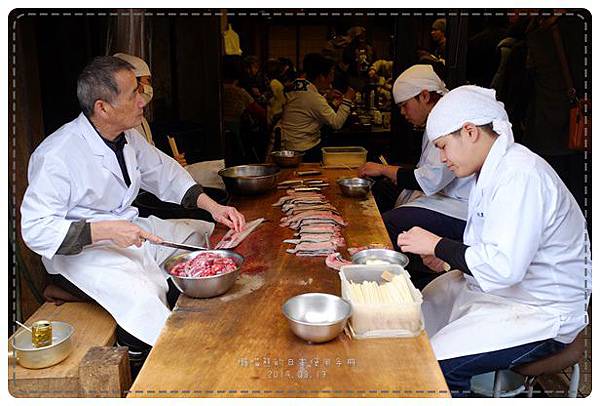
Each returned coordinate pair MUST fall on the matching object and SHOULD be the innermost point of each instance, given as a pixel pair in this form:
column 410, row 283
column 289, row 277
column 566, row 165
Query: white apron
column 73, row 175
column 462, row 321
column 526, row 254
column 129, row 282
column 442, row 192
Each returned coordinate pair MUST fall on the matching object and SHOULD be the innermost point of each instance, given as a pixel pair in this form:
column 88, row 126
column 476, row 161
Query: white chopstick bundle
column 370, row 292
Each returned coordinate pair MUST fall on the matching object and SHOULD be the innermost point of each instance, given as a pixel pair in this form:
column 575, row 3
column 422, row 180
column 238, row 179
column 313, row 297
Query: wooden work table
column 239, row 344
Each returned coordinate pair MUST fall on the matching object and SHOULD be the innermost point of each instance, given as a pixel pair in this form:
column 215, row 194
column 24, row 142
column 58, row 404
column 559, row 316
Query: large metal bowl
column 287, row 159
column 380, row 256
column 207, row 286
column 355, row 187
column 317, row 317
column 250, row 179
column 31, row 357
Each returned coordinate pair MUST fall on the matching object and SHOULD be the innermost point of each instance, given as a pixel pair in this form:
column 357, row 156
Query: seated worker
column 144, row 78
column 77, row 214
column 522, row 277
column 431, row 197
column 306, row 110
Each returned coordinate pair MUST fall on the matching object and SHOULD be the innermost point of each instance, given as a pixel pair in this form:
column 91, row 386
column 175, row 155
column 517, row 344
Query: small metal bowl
column 355, row 187
column 317, row 317
column 380, row 256
column 250, row 179
column 31, row 357
column 205, row 286
column 287, row 159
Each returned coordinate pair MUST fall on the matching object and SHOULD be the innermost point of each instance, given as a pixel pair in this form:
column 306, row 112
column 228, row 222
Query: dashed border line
column 585, row 371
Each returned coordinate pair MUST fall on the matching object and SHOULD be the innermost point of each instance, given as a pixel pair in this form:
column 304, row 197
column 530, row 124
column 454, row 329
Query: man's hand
column 122, row 233
column 229, row 216
column 435, row 264
column 334, row 94
column 350, row 94
column 226, row 215
column 418, row 241
column 371, row 169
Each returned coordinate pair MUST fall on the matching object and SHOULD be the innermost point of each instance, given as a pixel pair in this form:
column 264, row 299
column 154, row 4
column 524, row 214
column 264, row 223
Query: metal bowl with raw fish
column 317, row 317
column 204, row 274
column 250, row 179
column 355, row 187
column 287, row 159
column 380, row 256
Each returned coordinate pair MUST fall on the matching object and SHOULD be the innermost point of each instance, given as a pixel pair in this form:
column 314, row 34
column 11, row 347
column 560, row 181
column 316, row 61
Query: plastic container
column 343, row 157
column 382, row 320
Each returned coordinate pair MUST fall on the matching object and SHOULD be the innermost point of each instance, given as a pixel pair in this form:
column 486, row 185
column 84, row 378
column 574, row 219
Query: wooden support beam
column 104, row 372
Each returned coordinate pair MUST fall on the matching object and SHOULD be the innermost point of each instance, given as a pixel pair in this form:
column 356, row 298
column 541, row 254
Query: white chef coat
column 443, row 192
column 527, row 254
column 74, row 175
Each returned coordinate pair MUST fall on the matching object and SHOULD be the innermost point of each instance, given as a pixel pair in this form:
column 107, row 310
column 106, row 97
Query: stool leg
column 497, row 384
column 574, row 384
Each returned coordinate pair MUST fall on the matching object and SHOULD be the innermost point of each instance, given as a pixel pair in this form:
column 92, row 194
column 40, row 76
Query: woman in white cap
column 431, row 196
column 144, row 78
column 522, row 278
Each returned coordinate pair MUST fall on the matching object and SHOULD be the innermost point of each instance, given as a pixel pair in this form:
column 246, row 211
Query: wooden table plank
column 239, row 344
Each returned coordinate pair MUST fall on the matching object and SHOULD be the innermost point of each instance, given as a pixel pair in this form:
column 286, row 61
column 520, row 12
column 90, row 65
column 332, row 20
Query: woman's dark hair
column 315, row 65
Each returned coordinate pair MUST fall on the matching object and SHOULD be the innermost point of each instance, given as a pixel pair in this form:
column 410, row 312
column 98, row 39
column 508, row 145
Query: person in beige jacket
column 307, row 110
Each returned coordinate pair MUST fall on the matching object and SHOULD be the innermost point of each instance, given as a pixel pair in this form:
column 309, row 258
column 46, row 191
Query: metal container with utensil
column 29, row 356
column 287, row 159
column 250, row 179
column 381, row 256
column 355, row 187
column 205, row 286
column 317, row 317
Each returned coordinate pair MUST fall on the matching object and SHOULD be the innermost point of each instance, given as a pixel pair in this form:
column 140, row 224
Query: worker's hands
column 122, row 233
column 226, row 215
column 435, row 264
column 229, row 216
column 371, row 169
column 418, row 241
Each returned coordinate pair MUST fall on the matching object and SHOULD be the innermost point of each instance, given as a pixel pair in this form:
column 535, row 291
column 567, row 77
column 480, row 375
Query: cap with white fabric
column 467, row 104
column 414, row 80
column 140, row 67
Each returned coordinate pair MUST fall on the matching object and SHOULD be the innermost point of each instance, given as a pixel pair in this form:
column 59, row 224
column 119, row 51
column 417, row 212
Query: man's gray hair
column 97, row 82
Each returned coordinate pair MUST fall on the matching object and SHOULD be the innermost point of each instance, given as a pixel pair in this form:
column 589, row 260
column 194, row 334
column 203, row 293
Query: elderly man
column 519, row 289
column 77, row 212
column 431, row 197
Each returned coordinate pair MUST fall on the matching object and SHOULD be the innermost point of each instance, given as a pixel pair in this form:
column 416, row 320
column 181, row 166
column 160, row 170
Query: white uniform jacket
column 74, row 175
column 529, row 257
column 443, row 192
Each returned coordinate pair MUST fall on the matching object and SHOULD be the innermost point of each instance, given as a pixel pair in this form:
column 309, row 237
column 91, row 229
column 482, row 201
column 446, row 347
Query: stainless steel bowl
column 31, row 357
column 206, row 286
column 250, row 179
column 380, row 256
column 287, row 159
column 355, row 187
column 317, row 317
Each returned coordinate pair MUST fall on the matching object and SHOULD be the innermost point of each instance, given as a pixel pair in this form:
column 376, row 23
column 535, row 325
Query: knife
column 179, row 246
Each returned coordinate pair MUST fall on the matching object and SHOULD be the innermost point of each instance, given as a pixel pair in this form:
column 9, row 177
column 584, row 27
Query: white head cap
column 140, row 67
column 416, row 79
column 472, row 104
